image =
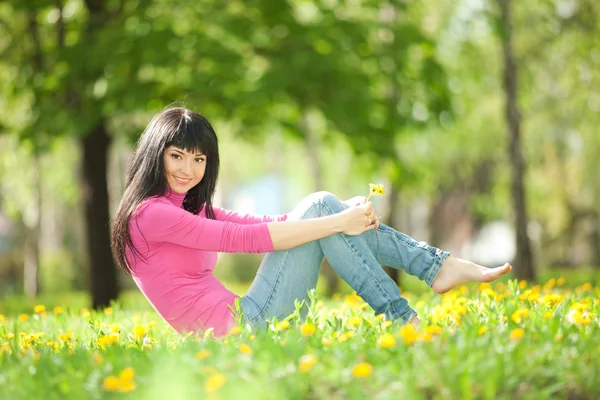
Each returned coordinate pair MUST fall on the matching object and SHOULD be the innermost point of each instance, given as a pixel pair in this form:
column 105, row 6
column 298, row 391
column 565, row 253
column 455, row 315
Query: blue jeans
column 287, row 275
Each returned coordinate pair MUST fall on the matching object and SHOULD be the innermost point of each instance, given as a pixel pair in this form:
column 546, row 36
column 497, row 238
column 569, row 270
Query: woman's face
column 183, row 169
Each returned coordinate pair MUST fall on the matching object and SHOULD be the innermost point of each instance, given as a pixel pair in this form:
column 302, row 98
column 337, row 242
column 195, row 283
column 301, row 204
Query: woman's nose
column 186, row 168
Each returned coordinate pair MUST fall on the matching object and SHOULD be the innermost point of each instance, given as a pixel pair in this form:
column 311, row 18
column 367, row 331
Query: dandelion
column 519, row 315
column 202, row 354
column 408, row 334
column 2, row 318
column 375, row 190
column 115, row 328
column 57, row 310
column 140, row 331
column 23, row 317
column 65, row 336
column 362, row 370
column 433, row 330
column 482, row 330
column 236, row 330
column 326, row 341
column 111, row 383
column 85, row 313
column 214, row 382
column 282, row 326
column 308, row 329
column 560, row 281
column 108, row 310
column 40, row 308
column 517, row 334
column 122, row 383
column 306, row 362
column 245, row 349
column 355, row 321
column 387, row 340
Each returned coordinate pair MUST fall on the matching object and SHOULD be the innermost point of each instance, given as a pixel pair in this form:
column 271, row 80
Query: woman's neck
column 174, row 197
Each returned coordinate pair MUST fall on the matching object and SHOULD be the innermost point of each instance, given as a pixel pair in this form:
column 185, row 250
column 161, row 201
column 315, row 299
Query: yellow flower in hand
column 375, row 190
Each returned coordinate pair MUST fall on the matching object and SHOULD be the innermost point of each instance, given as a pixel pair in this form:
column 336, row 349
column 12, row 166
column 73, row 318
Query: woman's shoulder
column 151, row 203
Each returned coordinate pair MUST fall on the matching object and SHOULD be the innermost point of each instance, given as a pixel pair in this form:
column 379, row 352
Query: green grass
column 491, row 342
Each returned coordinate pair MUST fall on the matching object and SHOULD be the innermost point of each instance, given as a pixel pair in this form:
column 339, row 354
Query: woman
column 167, row 233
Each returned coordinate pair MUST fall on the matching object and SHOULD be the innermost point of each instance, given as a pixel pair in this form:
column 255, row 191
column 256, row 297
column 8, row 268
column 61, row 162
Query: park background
column 482, row 124
column 480, row 118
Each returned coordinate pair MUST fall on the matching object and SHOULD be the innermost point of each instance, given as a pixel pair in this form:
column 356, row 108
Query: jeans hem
column 434, row 270
column 407, row 316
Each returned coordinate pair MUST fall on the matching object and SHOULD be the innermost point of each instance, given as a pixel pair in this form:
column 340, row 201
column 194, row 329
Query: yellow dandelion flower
column 108, row 310
column 9, row 335
column 126, row 375
column 282, row 325
column 306, row 362
column 308, row 329
column 244, row 348
column 433, row 330
column 111, row 383
column 326, row 341
column 355, row 321
column 152, row 324
column 517, row 334
column 23, row 317
column 140, row 331
column 560, row 281
column 522, row 284
column 408, row 333
column 85, row 312
column 57, row 310
column 214, row 382
column 65, row 336
column 252, row 337
column 519, row 315
column 375, row 190
column 2, row 317
column 203, row 354
column 387, row 340
column 236, row 330
column 39, row 308
column 548, row 315
column 386, row 324
column 482, row 330
column 362, row 370
column 115, row 328
column 380, row 317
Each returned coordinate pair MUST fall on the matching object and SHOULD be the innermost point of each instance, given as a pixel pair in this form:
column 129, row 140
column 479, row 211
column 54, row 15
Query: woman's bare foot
column 456, row 271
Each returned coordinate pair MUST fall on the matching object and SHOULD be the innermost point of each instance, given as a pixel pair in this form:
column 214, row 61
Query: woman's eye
column 175, row 156
column 199, row 159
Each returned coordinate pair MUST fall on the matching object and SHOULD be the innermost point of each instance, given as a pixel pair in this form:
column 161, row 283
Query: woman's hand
column 358, row 200
column 358, row 219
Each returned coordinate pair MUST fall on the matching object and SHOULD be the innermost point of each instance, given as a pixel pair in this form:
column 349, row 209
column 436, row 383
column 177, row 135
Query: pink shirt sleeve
column 245, row 219
column 161, row 222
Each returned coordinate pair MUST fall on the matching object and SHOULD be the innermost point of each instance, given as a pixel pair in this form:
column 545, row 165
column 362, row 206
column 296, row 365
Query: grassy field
column 506, row 340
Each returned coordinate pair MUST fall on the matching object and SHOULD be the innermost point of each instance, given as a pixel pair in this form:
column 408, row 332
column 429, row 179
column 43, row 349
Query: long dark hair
column 177, row 127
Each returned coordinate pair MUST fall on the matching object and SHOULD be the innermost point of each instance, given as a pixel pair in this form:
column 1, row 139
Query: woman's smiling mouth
column 182, row 181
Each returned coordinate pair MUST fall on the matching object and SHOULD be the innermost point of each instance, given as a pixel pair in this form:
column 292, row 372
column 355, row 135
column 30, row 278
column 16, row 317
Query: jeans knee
column 331, row 203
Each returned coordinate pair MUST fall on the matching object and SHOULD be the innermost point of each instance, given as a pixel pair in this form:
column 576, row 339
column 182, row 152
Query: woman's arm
column 224, row 215
column 290, row 234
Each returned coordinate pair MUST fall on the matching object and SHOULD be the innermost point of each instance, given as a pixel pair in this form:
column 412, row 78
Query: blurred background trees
column 306, row 95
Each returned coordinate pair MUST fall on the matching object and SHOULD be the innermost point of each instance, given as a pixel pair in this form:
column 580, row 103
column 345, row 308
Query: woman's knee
column 328, row 201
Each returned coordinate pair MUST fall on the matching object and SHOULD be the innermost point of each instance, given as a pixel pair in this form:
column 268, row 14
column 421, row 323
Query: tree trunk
column 103, row 275
column 392, row 219
column 31, row 279
column 312, row 147
column 523, row 263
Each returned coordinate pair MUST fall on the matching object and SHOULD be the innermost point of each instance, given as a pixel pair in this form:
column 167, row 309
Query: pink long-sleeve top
column 180, row 254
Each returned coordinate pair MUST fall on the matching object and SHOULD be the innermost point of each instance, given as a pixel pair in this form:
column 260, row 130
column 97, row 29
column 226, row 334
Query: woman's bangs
column 189, row 137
